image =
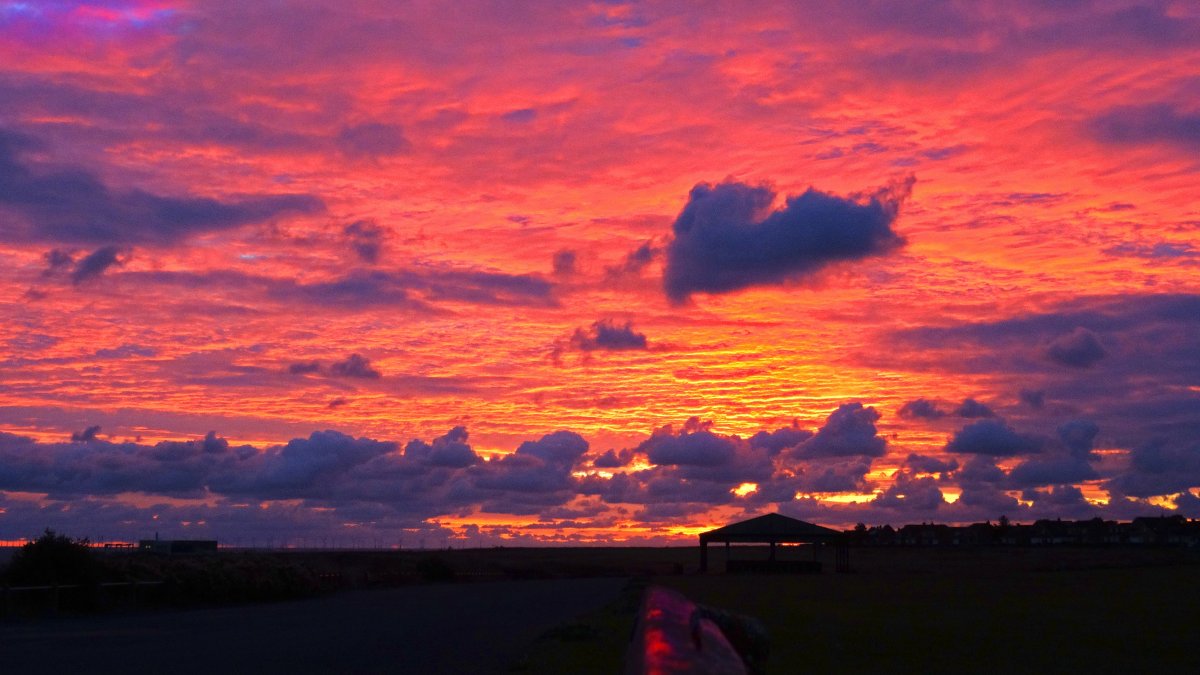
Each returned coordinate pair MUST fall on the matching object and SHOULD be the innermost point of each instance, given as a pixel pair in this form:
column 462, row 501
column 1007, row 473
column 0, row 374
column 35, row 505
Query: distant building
column 178, row 546
column 1164, row 530
column 774, row 529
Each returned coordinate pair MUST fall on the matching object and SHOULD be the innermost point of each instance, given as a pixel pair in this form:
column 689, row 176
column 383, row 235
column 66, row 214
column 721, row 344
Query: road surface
column 440, row 628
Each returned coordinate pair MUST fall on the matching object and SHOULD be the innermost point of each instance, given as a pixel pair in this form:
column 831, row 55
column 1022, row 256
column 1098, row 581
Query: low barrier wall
column 675, row 635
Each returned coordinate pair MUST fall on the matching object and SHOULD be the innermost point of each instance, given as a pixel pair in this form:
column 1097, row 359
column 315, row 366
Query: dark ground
column 987, row 610
column 437, row 628
column 906, row 610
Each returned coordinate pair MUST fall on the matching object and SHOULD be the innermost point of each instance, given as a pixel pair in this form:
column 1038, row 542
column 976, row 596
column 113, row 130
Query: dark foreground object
column 441, row 628
column 675, row 636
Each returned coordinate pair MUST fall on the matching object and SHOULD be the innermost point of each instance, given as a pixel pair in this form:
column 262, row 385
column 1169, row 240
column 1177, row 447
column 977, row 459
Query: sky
column 365, row 272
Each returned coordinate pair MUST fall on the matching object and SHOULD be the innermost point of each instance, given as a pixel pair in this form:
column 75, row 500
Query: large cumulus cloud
column 1159, row 468
column 849, row 430
column 694, row 445
column 993, row 437
column 727, row 237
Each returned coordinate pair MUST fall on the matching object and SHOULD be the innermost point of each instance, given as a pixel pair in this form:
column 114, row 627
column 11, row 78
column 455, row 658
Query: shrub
column 55, row 559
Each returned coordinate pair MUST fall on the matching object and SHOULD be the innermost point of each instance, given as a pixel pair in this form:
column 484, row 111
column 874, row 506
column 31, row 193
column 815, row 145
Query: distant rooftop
column 771, row 527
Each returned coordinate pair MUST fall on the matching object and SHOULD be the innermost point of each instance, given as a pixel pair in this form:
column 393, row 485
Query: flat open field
column 943, row 611
column 988, row 610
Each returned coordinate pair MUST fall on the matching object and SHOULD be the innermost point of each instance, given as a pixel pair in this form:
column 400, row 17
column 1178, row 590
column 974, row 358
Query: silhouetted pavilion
column 774, row 529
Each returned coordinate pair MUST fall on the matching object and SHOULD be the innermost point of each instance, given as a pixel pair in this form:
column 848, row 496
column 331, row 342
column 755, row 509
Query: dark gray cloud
column 520, row 116
column 418, row 289
column 1043, row 471
column 786, row 438
column 634, row 262
column 1127, row 360
column 1158, row 468
column 1161, row 251
column 921, row 409
column 354, row 366
column 1034, row 398
column 561, row 448
column 314, row 467
column 1079, row 436
column 538, row 474
column 911, row 494
column 126, row 351
column 450, row 450
column 87, row 435
column 694, row 445
column 1058, row 496
column 57, row 260
column 992, row 437
column 95, row 263
column 660, row 485
column 372, row 140
column 849, row 430
column 304, row 367
column 837, row 476
column 989, row 500
column 1188, row 504
column 611, row 459
column 937, row 41
column 925, row 464
column 73, row 206
column 608, row 335
column 365, row 238
column 727, row 239
column 925, row 408
column 564, row 262
column 1155, row 319
column 980, row 469
column 1151, row 123
column 88, row 466
column 970, row 408
column 365, row 480
column 1078, row 349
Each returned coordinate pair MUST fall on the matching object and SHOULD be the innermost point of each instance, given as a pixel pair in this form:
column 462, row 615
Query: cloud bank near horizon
column 674, row 474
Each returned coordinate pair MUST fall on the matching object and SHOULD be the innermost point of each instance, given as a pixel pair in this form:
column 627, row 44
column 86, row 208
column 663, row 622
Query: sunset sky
column 600, row 272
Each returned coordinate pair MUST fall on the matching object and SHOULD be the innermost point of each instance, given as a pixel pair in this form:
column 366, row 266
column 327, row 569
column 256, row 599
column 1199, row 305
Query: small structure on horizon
column 774, row 529
column 178, row 546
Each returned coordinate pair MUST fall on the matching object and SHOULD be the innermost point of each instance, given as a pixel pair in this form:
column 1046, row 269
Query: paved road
column 454, row 628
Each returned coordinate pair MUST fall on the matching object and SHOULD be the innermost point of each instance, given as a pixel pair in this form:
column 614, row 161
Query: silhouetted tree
column 54, row 559
column 1003, row 529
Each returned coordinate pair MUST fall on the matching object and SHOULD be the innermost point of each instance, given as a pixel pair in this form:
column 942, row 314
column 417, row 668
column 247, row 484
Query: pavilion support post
column 703, row 555
column 772, row 558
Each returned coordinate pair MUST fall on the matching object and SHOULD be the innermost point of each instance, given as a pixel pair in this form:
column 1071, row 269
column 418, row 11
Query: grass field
column 929, row 611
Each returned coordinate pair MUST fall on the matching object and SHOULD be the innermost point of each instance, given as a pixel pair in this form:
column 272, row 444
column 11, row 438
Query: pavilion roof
column 771, row 527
